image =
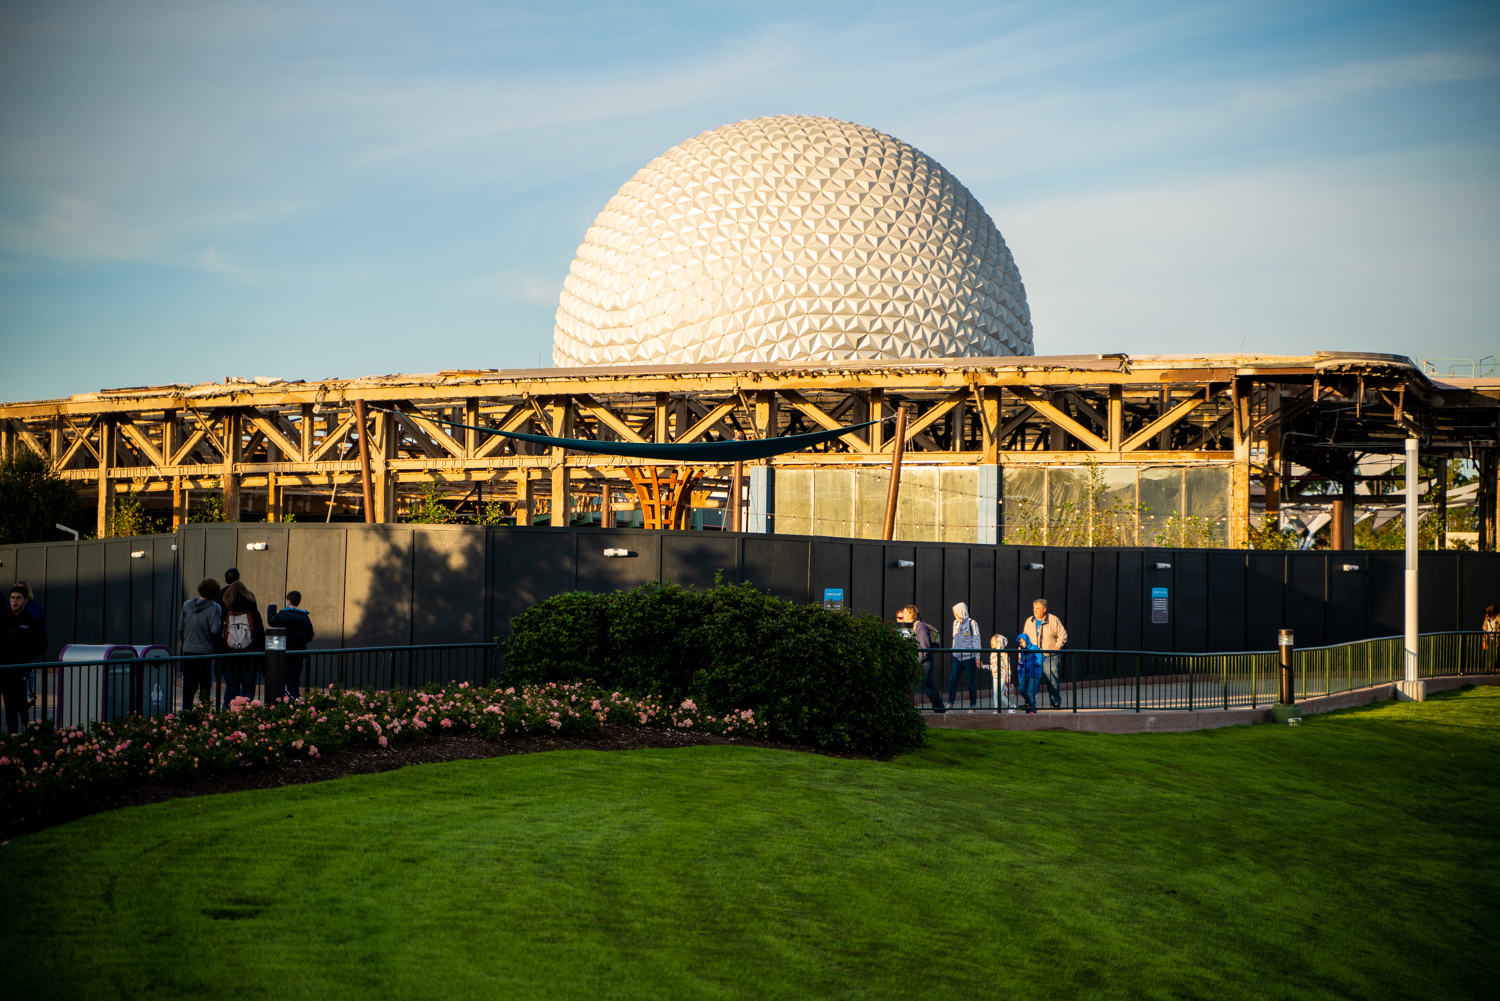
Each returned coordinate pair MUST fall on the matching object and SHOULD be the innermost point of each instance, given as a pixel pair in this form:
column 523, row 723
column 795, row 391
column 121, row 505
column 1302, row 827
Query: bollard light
column 275, row 639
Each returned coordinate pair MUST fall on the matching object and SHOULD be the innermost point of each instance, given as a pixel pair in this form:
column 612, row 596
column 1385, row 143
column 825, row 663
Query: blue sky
column 309, row 190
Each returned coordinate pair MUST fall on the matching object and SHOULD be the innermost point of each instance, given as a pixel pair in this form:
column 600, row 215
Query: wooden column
column 876, row 435
column 55, row 445
column 1272, row 478
column 387, row 436
column 471, row 418
column 659, row 422
column 106, row 499
column 306, row 432
column 363, row 427
column 736, row 488
column 562, row 427
column 1442, row 502
column 179, row 509
column 230, row 477
column 989, row 401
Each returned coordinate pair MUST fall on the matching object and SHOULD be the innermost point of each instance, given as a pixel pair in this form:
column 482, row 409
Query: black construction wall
column 376, row 585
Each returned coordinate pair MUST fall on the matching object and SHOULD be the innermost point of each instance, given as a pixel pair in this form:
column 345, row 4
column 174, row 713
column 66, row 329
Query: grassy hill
column 1355, row 856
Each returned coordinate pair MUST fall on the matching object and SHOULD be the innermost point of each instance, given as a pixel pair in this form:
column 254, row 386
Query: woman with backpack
column 244, row 632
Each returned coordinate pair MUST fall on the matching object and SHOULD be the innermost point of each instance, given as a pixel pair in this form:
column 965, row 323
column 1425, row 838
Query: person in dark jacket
column 911, row 616
column 299, row 633
column 200, row 630
column 244, row 632
column 231, row 578
column 35, row 608
column 1029, row 670
column 22, row 638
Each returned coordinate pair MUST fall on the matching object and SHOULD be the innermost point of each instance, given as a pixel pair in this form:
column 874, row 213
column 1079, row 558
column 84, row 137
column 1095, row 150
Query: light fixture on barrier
column 618, row 552
column 139, row 554
column 1350, row 568
column 903, row 563
column 256, row 547
column 1036, row 566
column 1163, row 566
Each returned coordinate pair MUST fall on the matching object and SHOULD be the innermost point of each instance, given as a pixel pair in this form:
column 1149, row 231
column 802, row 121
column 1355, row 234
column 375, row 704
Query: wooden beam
column 828, row 423
column 607, row 417
column 1165, row 421
column 512, row 421
column 24, row 433
column 81, row 441
column 416, row 418
column 144, row 445
column 272, row 433
column 708, row 420
column 1055, row 414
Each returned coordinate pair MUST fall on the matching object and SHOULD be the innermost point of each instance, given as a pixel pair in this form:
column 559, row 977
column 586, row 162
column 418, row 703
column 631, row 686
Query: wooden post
column 306, row 433
column 1442, row 502
column 1336, row 538
column 179, row 514
column 230, row 480
column 387, row 437
column 1239, row 473
column 736, row 487
column 659, row 424
column 1272, row 478
column 471, row 418
column 106, row 484
column 875, row 433
column 893, row 491
column 362, row 420
column 273, row 497
column 562, row 427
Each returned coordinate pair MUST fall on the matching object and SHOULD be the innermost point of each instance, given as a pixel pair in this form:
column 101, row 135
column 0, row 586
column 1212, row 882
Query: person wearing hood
column 1028, row 670
column 965, row 638
column 199, row 629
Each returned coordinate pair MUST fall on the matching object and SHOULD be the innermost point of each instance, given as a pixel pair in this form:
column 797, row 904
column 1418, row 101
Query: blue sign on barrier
column 1158, row 606
column 833, row 597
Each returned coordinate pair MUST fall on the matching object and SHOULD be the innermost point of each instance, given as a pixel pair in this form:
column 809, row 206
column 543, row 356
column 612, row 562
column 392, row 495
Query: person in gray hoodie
column 198, row 632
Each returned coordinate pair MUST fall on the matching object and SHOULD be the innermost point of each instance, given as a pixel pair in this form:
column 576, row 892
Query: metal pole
column 898, row 446
column 736, row 485
column 364, row 460
column 1409, row 673
column 1284, row 647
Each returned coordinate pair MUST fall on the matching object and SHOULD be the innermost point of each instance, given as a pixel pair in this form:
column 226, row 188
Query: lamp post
column 275, row 663
column 1410, row 686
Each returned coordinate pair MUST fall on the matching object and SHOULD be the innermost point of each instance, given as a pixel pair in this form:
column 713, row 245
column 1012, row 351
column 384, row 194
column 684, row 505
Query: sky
column 190, row 191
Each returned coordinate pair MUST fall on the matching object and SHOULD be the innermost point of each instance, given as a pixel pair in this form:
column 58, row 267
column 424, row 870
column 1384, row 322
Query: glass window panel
column 1207, row 506
column 1161, row 505
column 1021, row 505
column 794, row 501
column 960, row 500
column 833, row 502
column 1067, row 524
column 917, row 508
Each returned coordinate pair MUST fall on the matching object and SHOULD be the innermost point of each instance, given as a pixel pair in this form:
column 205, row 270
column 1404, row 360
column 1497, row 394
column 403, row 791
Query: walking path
column 1114, row 714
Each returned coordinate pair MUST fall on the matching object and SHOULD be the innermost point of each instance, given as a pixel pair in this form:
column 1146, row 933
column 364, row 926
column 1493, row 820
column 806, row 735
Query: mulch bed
column 365, row 761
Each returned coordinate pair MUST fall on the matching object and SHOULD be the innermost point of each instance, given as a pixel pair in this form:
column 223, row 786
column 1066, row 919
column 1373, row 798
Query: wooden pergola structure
column 272, row 447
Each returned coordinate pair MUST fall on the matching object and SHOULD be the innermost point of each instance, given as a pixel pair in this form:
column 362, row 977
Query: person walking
column 965, row 638
column 1000, row 674
column 1028, row 671
column 244, row 632
column 922, row 633
column 200, row 630
column 35, row 608
column 22, row 639
column 1046, row 633
column 299, row 633
column 1491, row 629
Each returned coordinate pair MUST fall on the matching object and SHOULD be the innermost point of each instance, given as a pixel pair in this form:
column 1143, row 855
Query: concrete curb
column 1176, row 720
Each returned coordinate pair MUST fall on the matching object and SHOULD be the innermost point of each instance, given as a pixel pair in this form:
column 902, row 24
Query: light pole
column 1410, row 686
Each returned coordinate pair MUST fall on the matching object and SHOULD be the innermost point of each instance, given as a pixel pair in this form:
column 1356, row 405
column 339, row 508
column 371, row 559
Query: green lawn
column 1355, row 856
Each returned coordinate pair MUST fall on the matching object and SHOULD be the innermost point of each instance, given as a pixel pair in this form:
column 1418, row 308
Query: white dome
column 790, row 239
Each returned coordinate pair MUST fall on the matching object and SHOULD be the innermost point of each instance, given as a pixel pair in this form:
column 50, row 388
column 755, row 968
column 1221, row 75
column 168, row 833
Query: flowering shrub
column 45, row 764
column 815, row 676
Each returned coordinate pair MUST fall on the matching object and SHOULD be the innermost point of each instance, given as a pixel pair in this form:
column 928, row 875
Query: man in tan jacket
column 1047, row 632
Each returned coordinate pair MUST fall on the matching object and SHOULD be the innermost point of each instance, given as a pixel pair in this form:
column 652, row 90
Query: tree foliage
column 33, row 500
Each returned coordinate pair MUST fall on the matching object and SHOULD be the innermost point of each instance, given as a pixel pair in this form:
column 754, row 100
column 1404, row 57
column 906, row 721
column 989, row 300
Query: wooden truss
column 268, row 446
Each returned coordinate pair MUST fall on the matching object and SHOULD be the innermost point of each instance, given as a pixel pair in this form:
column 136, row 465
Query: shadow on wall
column 405, row 586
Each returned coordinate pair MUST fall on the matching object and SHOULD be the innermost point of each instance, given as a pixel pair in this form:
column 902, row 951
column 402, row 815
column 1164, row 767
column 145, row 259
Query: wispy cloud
column 1360, row 78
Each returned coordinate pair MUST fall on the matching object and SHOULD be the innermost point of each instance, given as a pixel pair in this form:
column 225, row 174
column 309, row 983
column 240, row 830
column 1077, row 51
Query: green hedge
column 818, row 677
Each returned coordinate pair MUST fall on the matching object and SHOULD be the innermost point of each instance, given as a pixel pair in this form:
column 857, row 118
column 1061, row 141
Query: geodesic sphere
column 790, row 238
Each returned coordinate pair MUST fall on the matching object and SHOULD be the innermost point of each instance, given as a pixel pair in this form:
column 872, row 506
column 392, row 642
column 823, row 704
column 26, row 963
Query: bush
column 815, row 676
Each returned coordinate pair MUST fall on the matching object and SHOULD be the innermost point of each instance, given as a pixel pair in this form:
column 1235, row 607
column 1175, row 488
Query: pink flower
column 384, row 742
column 312, row 750
column 447, row 722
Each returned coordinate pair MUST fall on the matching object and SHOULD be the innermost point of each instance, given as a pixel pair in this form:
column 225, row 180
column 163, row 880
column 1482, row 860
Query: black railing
column 1128, row 680
column 77, row 693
